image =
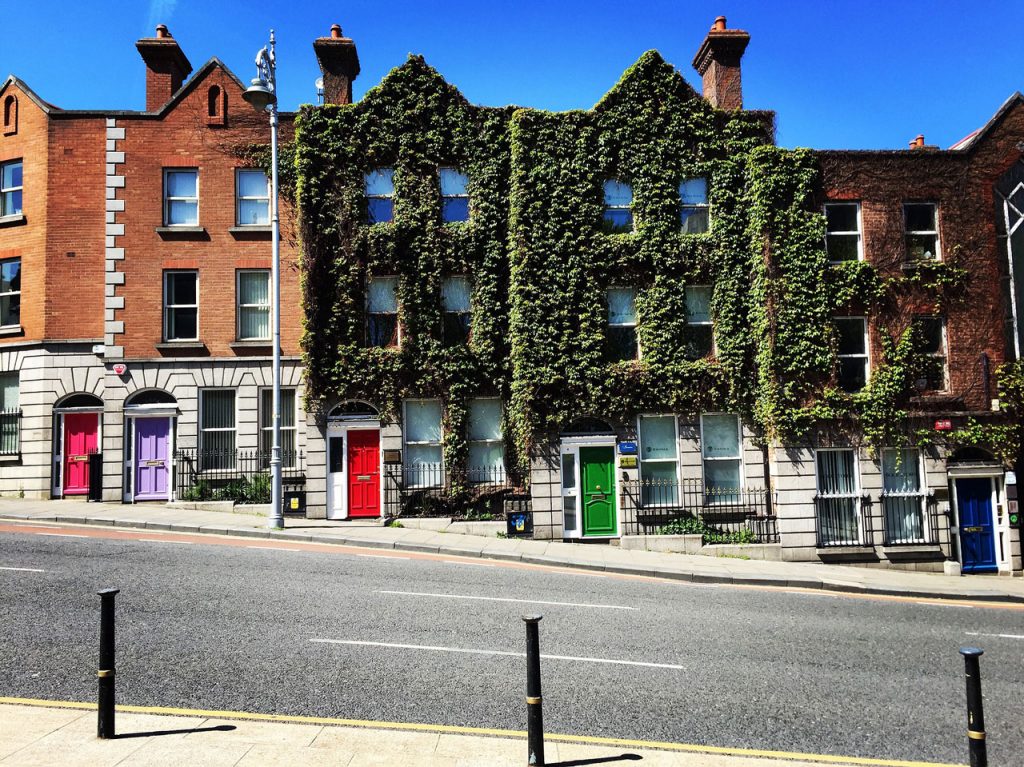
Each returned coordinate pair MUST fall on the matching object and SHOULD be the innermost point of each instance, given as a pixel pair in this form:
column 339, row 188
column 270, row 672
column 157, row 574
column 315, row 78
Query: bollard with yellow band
column 105, row 675
column 975, row 710
column 534, row 711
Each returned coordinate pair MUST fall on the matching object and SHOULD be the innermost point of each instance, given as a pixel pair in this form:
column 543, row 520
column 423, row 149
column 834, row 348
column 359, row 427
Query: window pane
column 699, row 342
column 426, row 457
column 287, row 407
column 841, row 218
column 182, row 324
column 456, row 328
column 254, row 288
column 568, row 471
column 455, row 294
column 836, row 472
column 842, row 247
column 694, row 191
column 721, row 436
column 837, row 520
column 252, row 212
column 453, row 182
column 379, row 210
column 621, row 306
column 851, row 335
column 180, row 212
column 181, row 183
column 659, row 486
column 381, row 295
column 920, row 217
column 721, row 479
column 617, row 194
column 698, row 303
column 218, row 410
column 181, row 288
column 486, row 462
column 253, row 322
column 11, row 175
column 853, row 374
column 455, row 209
column 10, row 276
column 218, row 450
column 380, row 182
column 921, row 246
column 484, row 419
column 622, row 341
column 901, row 476
column 695, row 220
column 423, row 421
column 618, row 219
column 931, row 332
column 658, row 436
column 8, row 391
column 253, row 183
column 382, row 330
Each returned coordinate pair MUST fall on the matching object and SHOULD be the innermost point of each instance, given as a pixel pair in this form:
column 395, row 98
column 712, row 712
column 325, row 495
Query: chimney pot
column 719, row 25
column 336, row 31
column 339, row 63
column 917, row 142
column 718, row 62
column 161, row 31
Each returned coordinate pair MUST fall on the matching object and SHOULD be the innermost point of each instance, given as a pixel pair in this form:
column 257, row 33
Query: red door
column 363, row 473
column 81, row 431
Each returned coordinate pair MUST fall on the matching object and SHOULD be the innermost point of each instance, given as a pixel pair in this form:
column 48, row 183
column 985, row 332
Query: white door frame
column 341, row 428
column 170, row 412
column 571, row 446
column 1000, row 516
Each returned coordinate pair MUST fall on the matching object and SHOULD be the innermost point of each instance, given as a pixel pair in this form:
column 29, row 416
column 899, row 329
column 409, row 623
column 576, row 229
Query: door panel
column 80, row 438
column 597, row 487
column 364, row 473
column 152, row 459
column 977, row 531
column 335, row 477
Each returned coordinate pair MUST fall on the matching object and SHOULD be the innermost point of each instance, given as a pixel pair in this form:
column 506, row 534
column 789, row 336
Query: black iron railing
column 720, row 515
column 843, row 520
column 241, row 476
column 910, row 518
column 10, row 432
column 431, row 490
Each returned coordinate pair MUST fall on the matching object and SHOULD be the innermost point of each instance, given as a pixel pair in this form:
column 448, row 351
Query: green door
column 597, row 472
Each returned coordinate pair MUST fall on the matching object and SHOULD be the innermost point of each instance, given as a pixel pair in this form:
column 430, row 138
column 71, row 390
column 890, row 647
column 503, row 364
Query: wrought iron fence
column 910, row 518
column 843, row 520
column 721, row 515
column 242, row 476
column 431, row 490
column 10, row 432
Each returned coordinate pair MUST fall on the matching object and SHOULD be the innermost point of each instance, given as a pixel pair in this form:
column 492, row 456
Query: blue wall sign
column 627, row 448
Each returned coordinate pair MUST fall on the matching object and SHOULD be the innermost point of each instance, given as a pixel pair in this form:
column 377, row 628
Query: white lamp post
column 262, row 94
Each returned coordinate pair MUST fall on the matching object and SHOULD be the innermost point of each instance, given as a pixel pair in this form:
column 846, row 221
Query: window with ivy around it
column 622, row 340
column 379, row 187
column 382, row 311
column 659, row 461
column 486, row 442
column 842, row 232
column 424, row 462
column 455, row 301
column 695, row 216
column 721, row 450
column 852, row 351
column 921, row 230
column 933, row 346
column 700, row 339
column 454, row 195
column 618, row 207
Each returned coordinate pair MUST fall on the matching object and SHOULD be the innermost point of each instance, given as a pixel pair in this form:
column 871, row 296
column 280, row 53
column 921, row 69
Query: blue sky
column 839, row 73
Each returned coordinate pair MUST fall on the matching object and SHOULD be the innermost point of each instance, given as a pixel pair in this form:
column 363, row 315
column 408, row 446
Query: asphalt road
column 251, row 628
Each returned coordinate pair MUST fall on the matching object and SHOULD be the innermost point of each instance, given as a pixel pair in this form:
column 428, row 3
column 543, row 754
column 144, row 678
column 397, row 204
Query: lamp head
column 259, row 94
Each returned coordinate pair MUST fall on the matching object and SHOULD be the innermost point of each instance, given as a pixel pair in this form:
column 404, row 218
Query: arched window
column 10, row 115
column 353, row 410
column 213, row 101
column 149, row 397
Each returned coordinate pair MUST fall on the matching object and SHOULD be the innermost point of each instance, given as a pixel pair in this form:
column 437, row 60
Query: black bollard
column 975, row 708
column 105, row 725
column 534, row 711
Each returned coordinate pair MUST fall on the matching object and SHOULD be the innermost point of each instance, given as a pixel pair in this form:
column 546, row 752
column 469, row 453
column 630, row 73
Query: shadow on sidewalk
column 599, row 760
column 183, row 731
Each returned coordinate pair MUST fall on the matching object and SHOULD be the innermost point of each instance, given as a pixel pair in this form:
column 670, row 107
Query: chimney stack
column 918, row 142
column 718, row 62
column 166, row 67
column 339, row 63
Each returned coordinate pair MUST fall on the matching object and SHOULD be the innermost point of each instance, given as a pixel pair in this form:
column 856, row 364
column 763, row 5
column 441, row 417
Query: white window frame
column 919, row 495
column 266, row 431
column 606, row 206
column 239, row 305
column 739, row 456
column 641, row 461
column 501, row 473
column 202, row 430
column 685, row 206
column 465, row 196
column 866, row 356
column 911, row 232
column 168, row 199
column 944, row 356
column 391, row 196
column 5, row 189
column 9, row 411
column 636, row 317
column 239, row 198
column 710, row 322
column 856, row 495
column 13, row 292
column 168, row 306
column 429, row 443
column 858, row 232
column 397, row 312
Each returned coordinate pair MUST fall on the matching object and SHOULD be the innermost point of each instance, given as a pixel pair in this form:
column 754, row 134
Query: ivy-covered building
column 644, row 319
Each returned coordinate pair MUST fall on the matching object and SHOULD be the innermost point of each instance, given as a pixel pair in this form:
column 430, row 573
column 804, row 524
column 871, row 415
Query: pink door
column 81, row 432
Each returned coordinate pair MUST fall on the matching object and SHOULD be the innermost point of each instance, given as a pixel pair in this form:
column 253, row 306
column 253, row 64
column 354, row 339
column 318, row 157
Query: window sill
column 10, row 458
column 183, row 232
column 12, row 330
column 13, row 220
column 899, row 552
column 173, row 346
column 913, row 266
column 250, row 231
column 854, row 553
column 253, row 344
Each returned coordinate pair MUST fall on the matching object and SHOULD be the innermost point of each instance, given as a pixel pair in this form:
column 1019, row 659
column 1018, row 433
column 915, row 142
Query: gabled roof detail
column 415, row 68
column 45, row 106
column 193, row 82
column 972, row 139
column 635, row 83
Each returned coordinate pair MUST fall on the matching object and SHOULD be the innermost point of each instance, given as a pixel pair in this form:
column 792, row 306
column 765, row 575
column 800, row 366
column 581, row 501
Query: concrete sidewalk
column 552, row 553
column 36, row 735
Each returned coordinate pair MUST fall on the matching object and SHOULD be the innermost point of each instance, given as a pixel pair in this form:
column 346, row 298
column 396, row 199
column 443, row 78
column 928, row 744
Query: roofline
column 45, row 106
column 970, row 141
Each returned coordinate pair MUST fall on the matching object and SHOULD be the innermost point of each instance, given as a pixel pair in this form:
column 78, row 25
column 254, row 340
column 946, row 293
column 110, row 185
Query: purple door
column 152, row 459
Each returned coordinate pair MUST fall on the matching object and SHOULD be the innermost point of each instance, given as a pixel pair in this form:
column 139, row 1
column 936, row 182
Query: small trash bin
column 294, row 502
column 95, row 476
column 519, row 524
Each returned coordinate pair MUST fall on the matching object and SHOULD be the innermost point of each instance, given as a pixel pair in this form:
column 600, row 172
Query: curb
column 677, row 575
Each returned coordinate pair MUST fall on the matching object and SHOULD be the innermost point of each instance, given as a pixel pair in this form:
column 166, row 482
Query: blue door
column 977, row 531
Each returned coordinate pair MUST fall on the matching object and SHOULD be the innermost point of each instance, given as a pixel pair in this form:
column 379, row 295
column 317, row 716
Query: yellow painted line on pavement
column 457, row 730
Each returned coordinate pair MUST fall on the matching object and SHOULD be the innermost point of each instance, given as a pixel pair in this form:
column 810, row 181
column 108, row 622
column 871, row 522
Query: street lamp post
column 262, row 94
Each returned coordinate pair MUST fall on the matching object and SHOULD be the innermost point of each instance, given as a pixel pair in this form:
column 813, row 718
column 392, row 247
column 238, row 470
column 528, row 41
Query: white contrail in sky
column 160, row 12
